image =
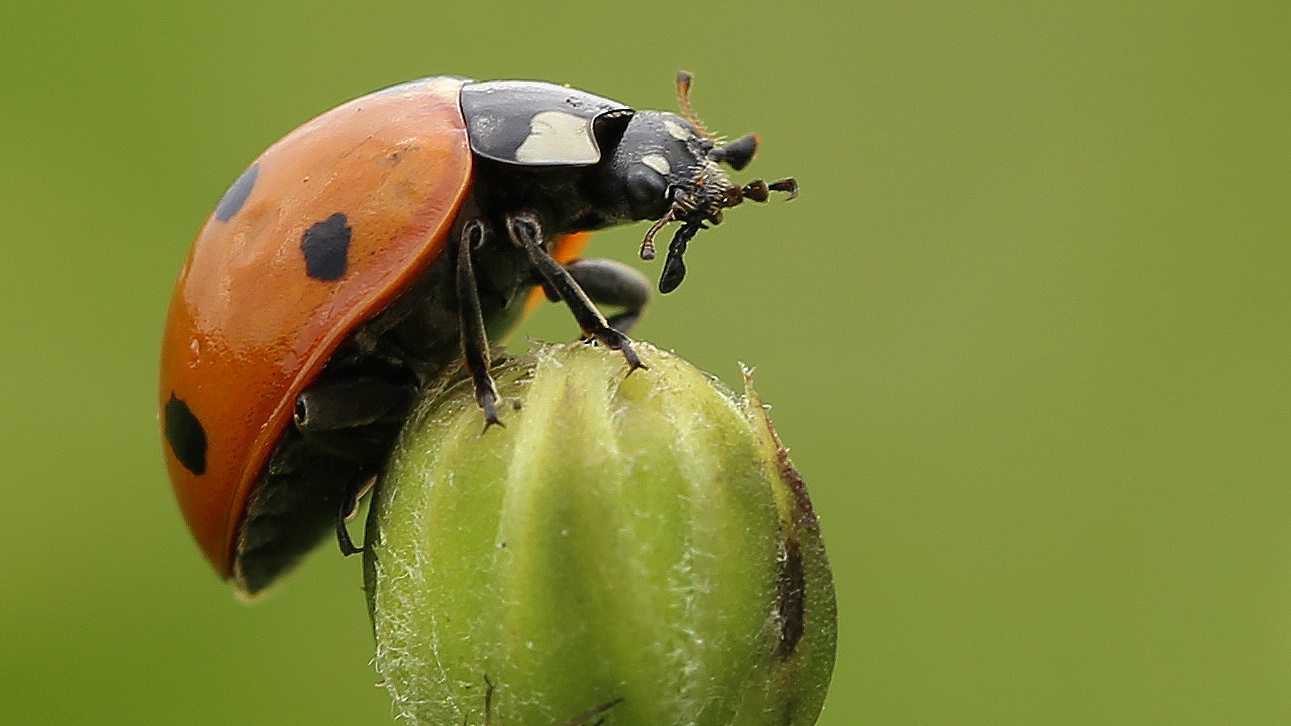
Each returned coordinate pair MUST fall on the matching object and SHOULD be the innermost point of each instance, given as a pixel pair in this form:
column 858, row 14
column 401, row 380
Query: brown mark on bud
column 791, row 598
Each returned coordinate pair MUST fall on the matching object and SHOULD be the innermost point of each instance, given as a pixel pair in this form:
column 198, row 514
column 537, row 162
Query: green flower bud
column 633, row 549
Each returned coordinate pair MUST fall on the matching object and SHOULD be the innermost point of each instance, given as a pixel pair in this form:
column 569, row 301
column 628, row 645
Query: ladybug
column 380, row 243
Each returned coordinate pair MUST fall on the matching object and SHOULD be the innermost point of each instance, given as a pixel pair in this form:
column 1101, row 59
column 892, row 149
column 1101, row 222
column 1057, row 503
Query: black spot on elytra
column 237, row 194
column 326, row 246
column 791, row 598
column 186, row 436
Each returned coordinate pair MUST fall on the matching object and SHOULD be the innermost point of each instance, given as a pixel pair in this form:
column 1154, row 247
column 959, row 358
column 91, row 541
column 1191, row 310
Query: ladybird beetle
column 381, row 242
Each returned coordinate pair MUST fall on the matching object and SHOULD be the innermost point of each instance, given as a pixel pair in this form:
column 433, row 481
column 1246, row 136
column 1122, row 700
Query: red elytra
column 246, row 370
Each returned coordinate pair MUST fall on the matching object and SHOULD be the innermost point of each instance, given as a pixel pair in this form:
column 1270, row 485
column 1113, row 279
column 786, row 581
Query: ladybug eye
column 648, row 192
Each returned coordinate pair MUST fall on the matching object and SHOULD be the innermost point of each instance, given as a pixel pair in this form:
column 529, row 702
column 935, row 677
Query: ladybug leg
column 475, row 341
column 345, row 402
column 526, row 233
column 349, row 507
column 351, row 417
column 609, row 282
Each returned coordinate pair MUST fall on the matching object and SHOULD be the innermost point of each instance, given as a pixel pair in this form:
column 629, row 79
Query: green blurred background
column 1026, row 331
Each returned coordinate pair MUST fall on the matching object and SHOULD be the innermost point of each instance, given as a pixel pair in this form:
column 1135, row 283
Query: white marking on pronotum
column 678, row 132
column 657, row 162
column 556, row 137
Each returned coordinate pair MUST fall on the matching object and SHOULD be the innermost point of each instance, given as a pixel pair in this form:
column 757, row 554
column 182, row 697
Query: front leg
column 609, row 282
column 526, row 233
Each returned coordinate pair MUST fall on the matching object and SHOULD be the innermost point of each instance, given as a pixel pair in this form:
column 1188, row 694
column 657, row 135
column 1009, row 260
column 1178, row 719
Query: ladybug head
column 669, row 167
